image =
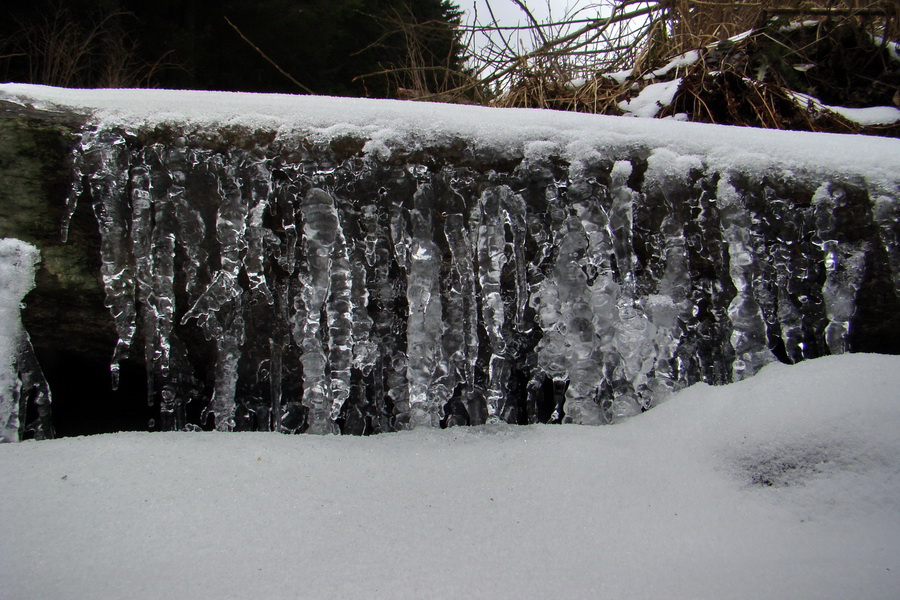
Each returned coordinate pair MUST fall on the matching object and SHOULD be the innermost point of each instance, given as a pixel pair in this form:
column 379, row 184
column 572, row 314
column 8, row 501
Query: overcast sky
column 509, row 14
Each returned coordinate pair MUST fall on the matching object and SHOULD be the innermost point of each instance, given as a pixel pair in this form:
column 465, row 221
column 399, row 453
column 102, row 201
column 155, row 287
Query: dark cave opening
column 84, row 402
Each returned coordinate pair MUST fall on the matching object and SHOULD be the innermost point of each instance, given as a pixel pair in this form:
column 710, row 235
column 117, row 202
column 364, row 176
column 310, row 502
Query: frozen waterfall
column 362, row 282
column 362, row 296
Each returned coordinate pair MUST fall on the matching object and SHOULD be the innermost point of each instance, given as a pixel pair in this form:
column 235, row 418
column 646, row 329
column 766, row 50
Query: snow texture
column 389, row 123
column 680, row 61
column 785, row 485
column 651, row 99
column 868, row 116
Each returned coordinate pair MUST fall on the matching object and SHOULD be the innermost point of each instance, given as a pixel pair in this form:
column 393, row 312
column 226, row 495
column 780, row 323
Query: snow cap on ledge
column 389, row 124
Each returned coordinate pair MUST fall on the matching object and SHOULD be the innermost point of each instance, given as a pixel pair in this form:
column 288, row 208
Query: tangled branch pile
column 817, row 65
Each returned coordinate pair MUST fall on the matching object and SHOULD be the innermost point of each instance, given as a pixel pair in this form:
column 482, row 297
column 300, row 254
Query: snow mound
column 786, row 485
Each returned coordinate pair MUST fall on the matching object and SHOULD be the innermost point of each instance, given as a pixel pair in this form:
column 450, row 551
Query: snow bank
column 389, row 123
column 786, row 485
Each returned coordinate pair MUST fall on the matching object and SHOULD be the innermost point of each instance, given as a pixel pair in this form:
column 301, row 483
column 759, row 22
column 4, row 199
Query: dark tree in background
column 338, row 47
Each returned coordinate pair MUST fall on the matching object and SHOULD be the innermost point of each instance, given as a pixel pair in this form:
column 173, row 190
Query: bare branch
column 269, row 60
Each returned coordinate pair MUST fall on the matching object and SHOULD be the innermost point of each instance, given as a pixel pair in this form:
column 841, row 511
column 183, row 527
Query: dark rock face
column 253, row 284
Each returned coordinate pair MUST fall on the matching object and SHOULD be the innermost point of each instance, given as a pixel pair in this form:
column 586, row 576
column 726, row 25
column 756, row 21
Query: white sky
column 509, row 14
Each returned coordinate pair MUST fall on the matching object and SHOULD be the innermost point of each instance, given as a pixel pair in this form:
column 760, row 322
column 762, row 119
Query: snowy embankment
column 786, row 485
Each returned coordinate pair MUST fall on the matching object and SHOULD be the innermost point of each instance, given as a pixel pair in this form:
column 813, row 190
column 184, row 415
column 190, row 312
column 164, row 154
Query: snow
column 17, row 262
column 872, row 115
column 786, row 485
column 390, row 124
column 680, row 61
column 620, row 76
column 893, row 48
column 652, row 98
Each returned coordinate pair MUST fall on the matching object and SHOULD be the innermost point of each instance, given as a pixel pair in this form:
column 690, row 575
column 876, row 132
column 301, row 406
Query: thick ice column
column 258, row 179
column 339, row 312
column 621, row 224
column 887, row 214
column 107, row 158
column 748, row 324
column 381, row 295
column 668, row 310
column 570, row 347
column 425, row 325
column 461, row 328
column 141, row 246
column 219, row 309
column 844, row 268
column 500, row 211
column 21, row 380
column 157, row 183
column 320, row 230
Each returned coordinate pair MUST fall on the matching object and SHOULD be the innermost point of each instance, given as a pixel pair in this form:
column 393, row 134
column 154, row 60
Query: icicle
column 461, row 325
column 365, row 350
column 621, row 224
column 192, row 233
column 844, row 268
column 887, row 214
column 339, row 314
column 219, row 309
column 369, row 287
column 785, row 256
column 141, row 247
column 164, row 235
column 491, row 256
column 258, row 178
column 157, row 185
column 424, row 326
column 107, row 157
column 568, row 348
column 77, row 187
column 749, row 327
column 320, row 227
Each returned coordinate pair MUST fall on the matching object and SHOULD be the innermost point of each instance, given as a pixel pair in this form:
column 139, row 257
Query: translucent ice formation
column 21, row 380
column 286, row 288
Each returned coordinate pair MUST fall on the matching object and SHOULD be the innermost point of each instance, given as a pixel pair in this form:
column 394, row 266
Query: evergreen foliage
column 323, row 46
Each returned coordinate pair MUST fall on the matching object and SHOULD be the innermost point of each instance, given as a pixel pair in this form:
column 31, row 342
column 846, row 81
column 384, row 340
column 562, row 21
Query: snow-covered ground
column 786, row 485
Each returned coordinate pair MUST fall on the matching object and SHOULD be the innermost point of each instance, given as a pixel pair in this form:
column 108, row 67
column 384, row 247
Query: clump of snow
column 796, row 25
column 868, row 116
column 665, row 167
column 680, row 61
column 738, row 37
column 893, row 48
column 389, row 124
column 17, row 262
column 651, row 100
column 786, row 485
column 620, row 77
